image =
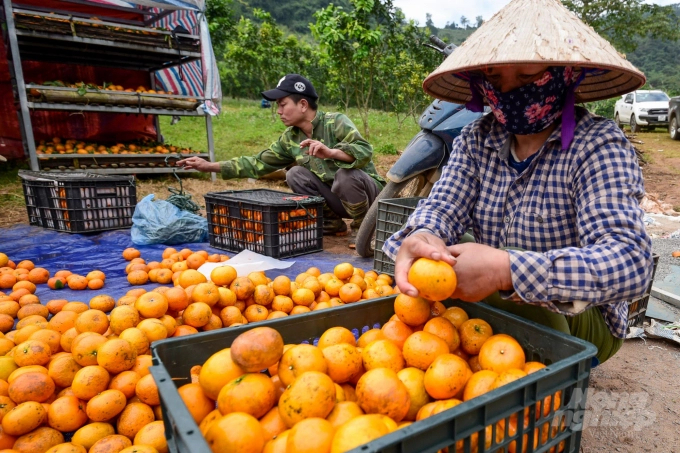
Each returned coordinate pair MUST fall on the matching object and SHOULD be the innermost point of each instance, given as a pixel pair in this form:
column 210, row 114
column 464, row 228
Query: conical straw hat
column 534, row 32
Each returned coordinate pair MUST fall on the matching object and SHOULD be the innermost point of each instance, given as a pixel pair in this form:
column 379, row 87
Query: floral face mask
column 531, row 108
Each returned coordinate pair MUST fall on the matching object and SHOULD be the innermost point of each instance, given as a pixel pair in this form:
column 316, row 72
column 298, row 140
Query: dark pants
column 351, row 186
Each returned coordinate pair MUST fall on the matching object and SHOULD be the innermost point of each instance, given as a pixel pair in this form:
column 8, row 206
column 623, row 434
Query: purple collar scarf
column 532, row 108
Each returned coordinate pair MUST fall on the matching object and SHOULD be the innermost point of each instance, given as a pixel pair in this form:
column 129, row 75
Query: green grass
column 244, row 128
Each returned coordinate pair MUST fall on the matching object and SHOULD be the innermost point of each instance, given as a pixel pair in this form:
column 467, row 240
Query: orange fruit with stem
column 116, row 355
column 473, row 333
column 299, row 359
column 349, row 292
column 501, row 352
column 207, row 293
column 434, row 280
column 24, row 418
column 252, row 393
column 66, row 414
column 218, row 371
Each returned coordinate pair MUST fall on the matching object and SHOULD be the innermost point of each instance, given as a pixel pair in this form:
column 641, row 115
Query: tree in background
column 622, row 21
column 258, row 54
column 428, row 21
column 372, row 56
column 221, row 22
column 464, row 21
column 479, row 20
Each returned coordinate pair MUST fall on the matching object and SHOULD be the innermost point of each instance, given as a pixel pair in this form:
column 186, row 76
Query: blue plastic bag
column 160, row 222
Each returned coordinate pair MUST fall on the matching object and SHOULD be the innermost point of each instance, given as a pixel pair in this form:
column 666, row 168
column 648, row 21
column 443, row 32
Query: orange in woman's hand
column 434, row 280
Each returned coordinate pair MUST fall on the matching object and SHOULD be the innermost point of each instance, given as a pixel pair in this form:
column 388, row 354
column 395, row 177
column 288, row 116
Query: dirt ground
column 634, row 400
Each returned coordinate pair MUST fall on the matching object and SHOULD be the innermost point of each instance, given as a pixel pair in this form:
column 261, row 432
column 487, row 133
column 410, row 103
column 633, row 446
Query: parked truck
column 642, row 109
column 674, row 117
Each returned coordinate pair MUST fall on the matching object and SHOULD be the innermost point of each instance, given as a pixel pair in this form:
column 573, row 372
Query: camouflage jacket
column 334, row 130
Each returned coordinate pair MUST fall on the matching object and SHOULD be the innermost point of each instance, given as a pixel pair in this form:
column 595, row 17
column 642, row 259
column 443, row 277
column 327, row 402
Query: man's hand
column 318, row 149
column 480, row 270
column 197, row 163
column 418, row 245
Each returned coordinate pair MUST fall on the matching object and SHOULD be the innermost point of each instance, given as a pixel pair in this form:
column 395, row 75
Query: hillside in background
column 657, row 59
column 295, row 15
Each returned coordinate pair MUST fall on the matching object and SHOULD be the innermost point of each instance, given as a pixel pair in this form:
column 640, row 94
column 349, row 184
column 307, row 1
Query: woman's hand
column 480, row 270
column 418, row 245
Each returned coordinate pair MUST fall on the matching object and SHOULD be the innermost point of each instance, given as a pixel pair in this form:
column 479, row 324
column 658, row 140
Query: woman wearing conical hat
column 550, row 190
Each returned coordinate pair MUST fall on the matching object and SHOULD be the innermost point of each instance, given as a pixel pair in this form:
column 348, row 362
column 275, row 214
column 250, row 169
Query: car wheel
column 673, row 129
column 617, row 120
column 634, row 128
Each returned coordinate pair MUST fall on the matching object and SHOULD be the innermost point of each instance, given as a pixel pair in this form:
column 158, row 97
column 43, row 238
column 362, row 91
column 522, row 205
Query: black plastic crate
column 568, row 371
column 637, row 308
column 269, row 222
column 392, row 215
column 79, row 202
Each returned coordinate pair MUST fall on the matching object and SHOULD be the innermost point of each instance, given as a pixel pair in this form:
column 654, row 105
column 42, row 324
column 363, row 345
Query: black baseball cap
column 291, row 84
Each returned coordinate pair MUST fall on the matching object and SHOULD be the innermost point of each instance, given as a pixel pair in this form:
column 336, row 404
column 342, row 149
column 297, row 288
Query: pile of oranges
column 225, row 299
column 345, row 392
column 22, row 277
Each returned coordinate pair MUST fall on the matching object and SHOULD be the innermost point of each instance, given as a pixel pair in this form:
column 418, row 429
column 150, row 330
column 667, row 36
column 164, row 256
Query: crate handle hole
column 162, row 379
column 189, row 433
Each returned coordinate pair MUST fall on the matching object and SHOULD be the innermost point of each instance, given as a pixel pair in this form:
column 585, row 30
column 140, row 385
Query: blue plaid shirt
column 577, row 211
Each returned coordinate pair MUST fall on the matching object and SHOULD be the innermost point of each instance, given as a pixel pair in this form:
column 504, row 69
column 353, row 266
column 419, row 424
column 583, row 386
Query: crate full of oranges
column 269, row 222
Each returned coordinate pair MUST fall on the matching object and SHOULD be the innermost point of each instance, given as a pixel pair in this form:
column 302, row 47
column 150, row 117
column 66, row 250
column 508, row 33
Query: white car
column 648, row 109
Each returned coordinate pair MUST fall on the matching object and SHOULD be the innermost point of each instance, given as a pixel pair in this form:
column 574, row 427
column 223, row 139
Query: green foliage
column 258, row 54
column 658, row 60
column 603, row 108
column 622, row 21
column 387, row 148
column 221, row 22
column 296, row 15
column 374, row 58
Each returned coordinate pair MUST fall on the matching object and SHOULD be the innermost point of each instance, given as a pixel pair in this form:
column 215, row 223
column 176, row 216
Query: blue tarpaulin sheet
column 82, row 253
